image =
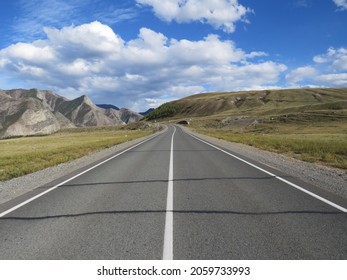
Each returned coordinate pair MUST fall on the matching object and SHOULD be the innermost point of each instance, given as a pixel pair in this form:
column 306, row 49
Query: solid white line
column 277, row 177
column 68, row 180
column 168, row 235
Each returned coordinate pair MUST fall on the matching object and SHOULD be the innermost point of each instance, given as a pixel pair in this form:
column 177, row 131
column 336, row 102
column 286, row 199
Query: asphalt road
column 178, row 193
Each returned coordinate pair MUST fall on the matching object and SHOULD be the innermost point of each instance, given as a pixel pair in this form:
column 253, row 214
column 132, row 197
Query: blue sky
column 141, row 53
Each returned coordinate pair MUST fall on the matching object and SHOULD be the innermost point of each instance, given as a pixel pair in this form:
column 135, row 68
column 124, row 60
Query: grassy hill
column 308, row 124
column 255, row 103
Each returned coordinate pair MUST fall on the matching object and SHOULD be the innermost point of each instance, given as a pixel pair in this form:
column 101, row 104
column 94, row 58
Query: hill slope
column 254, row 103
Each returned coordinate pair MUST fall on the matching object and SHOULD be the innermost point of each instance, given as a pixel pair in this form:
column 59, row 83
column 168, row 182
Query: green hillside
column 256, row 103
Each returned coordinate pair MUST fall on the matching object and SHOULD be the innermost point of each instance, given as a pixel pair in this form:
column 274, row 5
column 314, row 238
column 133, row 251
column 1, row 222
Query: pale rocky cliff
column 35, row 112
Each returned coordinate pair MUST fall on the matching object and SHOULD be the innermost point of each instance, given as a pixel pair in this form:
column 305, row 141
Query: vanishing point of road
column 174, row 196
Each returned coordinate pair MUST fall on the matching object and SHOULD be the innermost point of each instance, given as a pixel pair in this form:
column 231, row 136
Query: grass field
column 320, row 142
column 20, row 156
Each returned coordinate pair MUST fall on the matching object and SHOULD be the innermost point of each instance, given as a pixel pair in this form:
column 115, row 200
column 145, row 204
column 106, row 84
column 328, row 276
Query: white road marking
column 70, row 179
column 277, row 177
column 168, row 235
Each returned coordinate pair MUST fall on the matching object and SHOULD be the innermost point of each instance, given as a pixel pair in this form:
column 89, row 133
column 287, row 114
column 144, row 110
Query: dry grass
column 20, row 156
column 320, row 142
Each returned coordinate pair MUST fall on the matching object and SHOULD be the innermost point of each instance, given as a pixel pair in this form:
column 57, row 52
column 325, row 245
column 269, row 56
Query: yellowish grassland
column 20, row 156
column 323, row 142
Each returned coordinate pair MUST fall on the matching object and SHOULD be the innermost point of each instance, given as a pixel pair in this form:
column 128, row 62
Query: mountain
column 108, row 106
column 82, row 112
column 253, row 103
column 35, row 112
column 22, row 113
column 147, row 112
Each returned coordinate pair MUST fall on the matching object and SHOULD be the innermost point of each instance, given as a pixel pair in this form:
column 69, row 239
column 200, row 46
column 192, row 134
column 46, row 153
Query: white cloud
column 342, row 4
column 336, row 57
column 221, row 14
column 329, row 70
column 30, row 52
column 253, row 76
column 208, row 51
column 300, row 74
column 334, row 80
column 91, row 59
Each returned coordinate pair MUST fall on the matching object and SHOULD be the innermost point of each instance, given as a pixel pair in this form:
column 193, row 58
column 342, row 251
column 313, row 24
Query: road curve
column 175, row 197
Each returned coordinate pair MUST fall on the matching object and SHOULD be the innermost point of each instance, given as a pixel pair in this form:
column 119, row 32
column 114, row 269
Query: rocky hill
column 108, row 106
column 35, row 112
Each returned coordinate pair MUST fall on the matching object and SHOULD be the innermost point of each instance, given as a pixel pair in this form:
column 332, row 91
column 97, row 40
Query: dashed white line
column 277, row 177
column 70, row 179
column 168, row 235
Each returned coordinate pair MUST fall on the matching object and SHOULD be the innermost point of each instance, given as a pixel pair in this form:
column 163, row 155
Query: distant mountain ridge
column 107, row 106
column 147, row 112
column 34, row 112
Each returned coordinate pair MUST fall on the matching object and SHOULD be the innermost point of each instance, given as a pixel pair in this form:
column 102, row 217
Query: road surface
column 175, row 197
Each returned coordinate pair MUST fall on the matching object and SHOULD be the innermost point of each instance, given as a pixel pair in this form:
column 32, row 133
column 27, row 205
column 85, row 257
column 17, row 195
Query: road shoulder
column 16, row 187
column 328, row 179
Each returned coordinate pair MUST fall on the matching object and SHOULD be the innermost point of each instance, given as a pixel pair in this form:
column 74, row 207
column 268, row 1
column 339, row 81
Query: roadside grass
column 20, row 156
column 323, row 142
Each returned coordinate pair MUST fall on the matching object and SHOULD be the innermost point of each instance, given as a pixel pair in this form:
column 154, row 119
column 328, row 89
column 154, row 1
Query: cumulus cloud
column 335, row 61
column 300, row 74
column 94, row 40
column 150, row 69
column 337, row 58
column 221, row 14
column 329, row 70
column 337, row 80
column 342, row 4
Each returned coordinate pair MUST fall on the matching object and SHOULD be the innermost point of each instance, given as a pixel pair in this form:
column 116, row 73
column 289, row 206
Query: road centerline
column 168, row 235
